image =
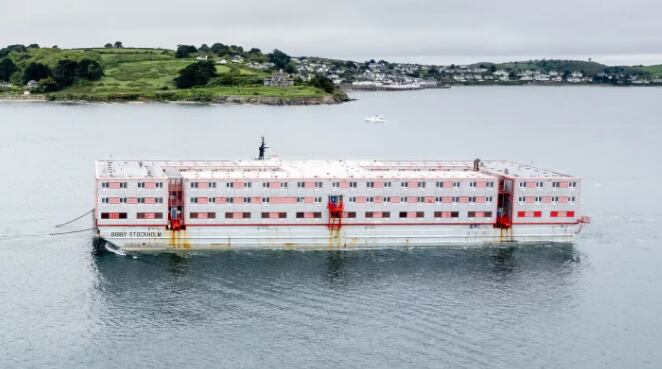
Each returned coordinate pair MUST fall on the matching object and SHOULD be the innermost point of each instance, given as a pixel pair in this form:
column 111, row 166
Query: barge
column 318, row 204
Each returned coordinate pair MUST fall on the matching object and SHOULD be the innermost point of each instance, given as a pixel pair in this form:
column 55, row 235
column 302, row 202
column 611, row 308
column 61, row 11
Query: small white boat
column 375, row 119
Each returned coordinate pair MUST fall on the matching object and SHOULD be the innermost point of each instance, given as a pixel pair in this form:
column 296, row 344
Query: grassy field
column 148, row 74
column 655, row 70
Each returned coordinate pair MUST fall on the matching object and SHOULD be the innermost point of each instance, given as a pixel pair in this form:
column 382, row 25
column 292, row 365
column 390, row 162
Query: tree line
column 65, row 73
column 280, row 59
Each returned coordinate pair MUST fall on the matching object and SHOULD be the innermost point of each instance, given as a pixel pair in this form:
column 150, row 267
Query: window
column 105, row 215
column 282, row 215
column 386, row 214
column 301, row 184
column 555, row 199
column 487, row 214
column 283, row 185
column 352, row 199
column 246, row 215
column 122, row 200
column 266, row 185
column 212, row 184
column 439, row 184
column 404, row 184
column 140, row 200
column 105, row 185
column 299, row 200
column 438, row 199
column 317, row 215
column 537, row 214
column 571, row 199
column 556, row 184
column 403, row 214
column 455, row 214
column 455, row 199
column 538, row 199
column 158, row 200
column 265, row 215
column 553, row 214
column 123, row 185
column 300, row 215
column 370, row 184
column 211, row 200
column 248, row 185
column 141, row 184
column 265, row 200
column 335, row 184
column 229, row 215
column 569, row 214
column 369, row 214
column 229, row 200
column 572, row 184
column 194, row 200
column 540, row 184
column 420, row 185
column 387, row 199
column 456, row 184
column 403, row 199
column 471, row 214
column 229, row 185
column 370, row 199
column 488, row 199
column 438, row 214
column 194, row 184
column 489, row 184
column 521, row 214
column 247, row 200
column 420, row 199
column 352, row 184
column 387, row 184
column 351, row 214
column 522, row 185
column 472, row 184
column 318, row 184
column 318, row 200
column 472, row 199
column 420, row 214
column 104, row 200
column 521, row 199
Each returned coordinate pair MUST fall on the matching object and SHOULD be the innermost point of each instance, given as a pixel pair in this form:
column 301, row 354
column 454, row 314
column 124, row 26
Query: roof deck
column 277, row 169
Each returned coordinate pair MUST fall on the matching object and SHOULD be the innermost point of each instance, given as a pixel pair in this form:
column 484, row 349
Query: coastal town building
column 279, row 79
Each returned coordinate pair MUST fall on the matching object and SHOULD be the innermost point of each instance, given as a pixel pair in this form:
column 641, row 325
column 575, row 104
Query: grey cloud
column 422, row 31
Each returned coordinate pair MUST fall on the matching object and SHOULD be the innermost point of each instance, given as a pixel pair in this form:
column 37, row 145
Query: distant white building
column 202, row 57
column 32, row 85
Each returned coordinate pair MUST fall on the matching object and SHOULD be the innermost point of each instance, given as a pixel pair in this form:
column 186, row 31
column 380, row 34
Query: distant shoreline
column 238, row 100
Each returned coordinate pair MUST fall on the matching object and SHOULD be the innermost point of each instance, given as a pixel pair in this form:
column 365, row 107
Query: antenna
column 263, row 148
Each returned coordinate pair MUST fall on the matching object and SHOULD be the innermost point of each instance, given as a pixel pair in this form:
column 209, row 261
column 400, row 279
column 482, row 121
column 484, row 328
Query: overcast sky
column 435, row 32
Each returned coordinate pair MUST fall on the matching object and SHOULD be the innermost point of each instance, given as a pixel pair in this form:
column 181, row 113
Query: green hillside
column 148, row 74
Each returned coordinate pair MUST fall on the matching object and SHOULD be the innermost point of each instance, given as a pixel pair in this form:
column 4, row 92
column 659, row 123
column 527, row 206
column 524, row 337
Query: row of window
column 351, row 184
column 552, row 214
column 132, row 200
column 349, row 215
column 555, row 184
column 147, row 185
column 351, row 199
column 545, row 199
column 138, row 215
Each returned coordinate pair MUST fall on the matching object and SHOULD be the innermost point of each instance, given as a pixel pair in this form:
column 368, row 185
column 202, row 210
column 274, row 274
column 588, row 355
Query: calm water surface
column 596, row 304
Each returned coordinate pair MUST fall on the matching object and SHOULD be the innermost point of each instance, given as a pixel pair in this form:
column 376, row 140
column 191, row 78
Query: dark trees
column 7, row 68
column 196, row 74
column 183, row 51
column 36, row 71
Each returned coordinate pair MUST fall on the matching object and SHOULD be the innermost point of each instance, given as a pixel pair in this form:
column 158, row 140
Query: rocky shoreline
column 238, row 99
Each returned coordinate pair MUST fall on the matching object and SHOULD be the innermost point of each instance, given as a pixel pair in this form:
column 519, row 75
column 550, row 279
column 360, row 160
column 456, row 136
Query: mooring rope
column 73, row 220
column 29, row 235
